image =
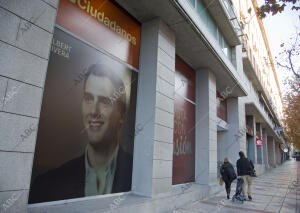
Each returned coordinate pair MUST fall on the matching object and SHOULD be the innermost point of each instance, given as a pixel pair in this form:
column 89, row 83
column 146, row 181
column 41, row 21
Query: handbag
column 221, row 181
column 253, row 173
column 234, row 176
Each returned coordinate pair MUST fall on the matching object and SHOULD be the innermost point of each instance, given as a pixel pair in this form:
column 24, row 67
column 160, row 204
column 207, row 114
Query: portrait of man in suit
column 104, row 167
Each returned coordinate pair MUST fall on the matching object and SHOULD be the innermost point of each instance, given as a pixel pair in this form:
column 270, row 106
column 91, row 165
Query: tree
column 274, row 7
column 291, row 111
column 289, row 57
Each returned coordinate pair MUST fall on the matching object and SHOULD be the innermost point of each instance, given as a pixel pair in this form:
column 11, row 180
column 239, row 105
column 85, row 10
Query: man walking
column 244, row 168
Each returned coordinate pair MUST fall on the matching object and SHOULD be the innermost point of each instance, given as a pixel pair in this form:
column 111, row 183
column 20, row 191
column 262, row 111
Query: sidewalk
column 276, row 191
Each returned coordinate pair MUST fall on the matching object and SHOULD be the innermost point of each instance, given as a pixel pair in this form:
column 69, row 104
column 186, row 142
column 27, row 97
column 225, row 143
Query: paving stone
column 274, row 191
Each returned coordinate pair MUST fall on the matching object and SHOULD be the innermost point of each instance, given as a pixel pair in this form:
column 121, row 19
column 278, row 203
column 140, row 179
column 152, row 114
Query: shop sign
column 103, row 24
column 259, row 142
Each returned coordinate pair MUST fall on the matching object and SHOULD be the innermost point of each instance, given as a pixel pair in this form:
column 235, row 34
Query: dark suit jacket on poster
column 68, row 180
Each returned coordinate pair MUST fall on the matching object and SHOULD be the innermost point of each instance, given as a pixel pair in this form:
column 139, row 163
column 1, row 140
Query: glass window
column 231, row 55
column 202, row 12
column 192, row 3
column 221, row 40
column 69, row 174
column 212, row 27
column 226, row 49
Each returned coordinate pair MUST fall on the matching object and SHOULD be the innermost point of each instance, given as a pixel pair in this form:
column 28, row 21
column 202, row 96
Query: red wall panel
column 184, row 124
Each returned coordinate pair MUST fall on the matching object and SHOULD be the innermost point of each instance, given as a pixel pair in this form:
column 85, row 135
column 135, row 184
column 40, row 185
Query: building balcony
column 195, row 40
column 225, row 16
column 253, row 73
column 254, row 106
column 261, row 117
column 250, row 66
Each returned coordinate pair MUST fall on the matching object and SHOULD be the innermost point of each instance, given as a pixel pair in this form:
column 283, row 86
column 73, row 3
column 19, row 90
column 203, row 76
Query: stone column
column 153, row 145
column 24, row 53
column 233, row 140
column 277, row 153
column 237, row 127
column 252, row 140
column 271, row 151
column 259, row 153
column 206, row 128
column 265, row 148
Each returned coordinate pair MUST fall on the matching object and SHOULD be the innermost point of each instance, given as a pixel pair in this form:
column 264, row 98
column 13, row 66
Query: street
column 276, row 191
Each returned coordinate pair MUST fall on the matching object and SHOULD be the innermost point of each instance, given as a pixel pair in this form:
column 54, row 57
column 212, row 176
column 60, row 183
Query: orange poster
column 103, row 24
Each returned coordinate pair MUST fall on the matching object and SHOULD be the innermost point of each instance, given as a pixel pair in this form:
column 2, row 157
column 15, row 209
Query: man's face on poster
column 102, row 118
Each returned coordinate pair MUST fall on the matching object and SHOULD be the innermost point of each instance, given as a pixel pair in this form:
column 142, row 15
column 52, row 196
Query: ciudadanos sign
column 103, row 24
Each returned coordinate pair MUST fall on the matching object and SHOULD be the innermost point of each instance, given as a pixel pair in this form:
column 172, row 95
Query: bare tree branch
column 290, row 53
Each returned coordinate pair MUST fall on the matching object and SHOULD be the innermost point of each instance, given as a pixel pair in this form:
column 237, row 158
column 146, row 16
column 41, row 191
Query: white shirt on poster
column 100, row 181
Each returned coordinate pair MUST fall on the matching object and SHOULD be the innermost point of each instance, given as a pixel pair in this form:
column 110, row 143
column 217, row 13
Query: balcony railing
column 231, row 12
column 259, row 104
column 259, row 83
column 265, row 114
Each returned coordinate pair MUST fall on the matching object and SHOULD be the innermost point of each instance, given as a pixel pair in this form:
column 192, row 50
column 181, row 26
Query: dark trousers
column 228, row 187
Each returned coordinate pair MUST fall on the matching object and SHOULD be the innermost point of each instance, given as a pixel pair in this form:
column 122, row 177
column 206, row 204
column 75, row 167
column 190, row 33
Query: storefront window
column 86, row 128
column 221, row 107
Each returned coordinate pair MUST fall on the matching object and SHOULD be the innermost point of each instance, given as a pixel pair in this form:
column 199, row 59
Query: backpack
column 229, row 170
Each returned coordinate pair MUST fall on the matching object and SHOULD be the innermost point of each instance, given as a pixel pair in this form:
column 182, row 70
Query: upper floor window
column 192, row 2
column 211, row 25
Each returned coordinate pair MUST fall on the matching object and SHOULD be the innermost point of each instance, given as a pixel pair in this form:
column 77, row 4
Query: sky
column 279, row 28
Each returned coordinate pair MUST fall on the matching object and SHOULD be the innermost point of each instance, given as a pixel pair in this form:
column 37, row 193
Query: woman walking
column 228, row 175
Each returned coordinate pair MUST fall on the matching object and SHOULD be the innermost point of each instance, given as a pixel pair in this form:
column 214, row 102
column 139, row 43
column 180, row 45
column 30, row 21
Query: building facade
column 167, row 88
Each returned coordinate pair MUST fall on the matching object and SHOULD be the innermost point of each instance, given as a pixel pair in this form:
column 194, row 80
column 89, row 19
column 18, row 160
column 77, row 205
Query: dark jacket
column 68, row 180
column 227, row 172
column 244, row 166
